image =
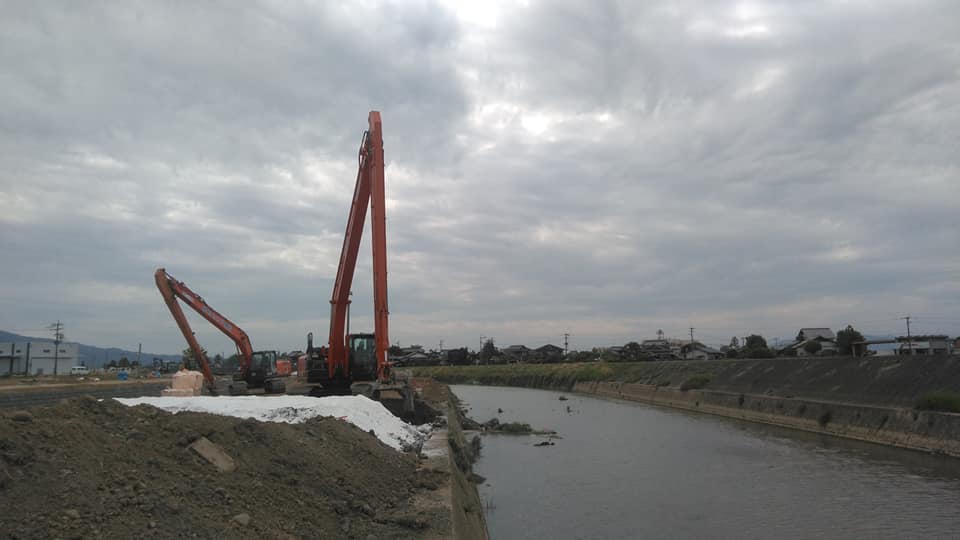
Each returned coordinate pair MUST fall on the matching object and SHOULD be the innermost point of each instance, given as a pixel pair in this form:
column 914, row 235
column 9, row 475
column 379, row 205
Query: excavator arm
column 369, row 191
column 171, row 289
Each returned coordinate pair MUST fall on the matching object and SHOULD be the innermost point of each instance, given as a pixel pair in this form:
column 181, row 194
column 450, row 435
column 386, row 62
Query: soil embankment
column 870, row 399
column 98, row 469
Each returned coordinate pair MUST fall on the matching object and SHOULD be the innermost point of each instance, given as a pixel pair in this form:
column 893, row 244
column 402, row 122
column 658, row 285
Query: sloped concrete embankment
column 906, row 428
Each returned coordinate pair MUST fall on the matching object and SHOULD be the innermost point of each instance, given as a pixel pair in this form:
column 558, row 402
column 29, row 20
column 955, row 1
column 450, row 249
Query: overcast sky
column 604, row 169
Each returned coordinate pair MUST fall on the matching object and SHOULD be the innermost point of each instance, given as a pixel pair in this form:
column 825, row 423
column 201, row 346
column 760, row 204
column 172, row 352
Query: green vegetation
column 489, row 350
column 514, row 427
column 939, row 400
column 694, row 383
column 755, row 346
column 565, row 376
column 812, row 347
column 846, row 338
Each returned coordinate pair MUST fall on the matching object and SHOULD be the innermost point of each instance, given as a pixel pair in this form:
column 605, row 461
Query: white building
column 38, row 357
column 823, row 336
column 924, row 345
column 699, row 351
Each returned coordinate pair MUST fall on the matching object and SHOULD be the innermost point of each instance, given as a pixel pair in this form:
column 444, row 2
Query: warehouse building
column 38, row 358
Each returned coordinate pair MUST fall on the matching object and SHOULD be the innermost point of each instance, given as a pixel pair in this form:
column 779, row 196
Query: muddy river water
column 627, row 470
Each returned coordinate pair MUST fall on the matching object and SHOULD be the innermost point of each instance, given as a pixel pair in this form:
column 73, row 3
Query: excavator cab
column 263, row 364
column 261, row 373
column 362, row 351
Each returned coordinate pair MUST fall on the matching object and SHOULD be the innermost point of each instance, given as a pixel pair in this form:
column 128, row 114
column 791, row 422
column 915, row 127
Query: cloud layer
column 605, row 169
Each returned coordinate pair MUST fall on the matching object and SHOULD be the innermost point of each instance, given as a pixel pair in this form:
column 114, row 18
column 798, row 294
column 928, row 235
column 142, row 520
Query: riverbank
column 88, row 467
column 867, row 399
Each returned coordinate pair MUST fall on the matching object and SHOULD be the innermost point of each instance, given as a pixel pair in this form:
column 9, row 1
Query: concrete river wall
column 868, row 399
column 895, row 426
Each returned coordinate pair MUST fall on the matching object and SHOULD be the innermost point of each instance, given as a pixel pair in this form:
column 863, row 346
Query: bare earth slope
column 98, row 469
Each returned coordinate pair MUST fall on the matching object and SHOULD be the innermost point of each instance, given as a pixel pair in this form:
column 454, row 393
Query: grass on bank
column 939, row 400
column 694, row 383
column 565, row 376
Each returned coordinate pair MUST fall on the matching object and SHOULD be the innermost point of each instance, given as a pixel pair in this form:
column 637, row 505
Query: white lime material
column 360, row 411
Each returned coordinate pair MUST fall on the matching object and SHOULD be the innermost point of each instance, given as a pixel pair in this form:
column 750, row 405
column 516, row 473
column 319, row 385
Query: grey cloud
column 806, row 169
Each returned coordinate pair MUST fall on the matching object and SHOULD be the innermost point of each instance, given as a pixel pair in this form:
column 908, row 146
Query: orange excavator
column 358, row 363
column 258, row 369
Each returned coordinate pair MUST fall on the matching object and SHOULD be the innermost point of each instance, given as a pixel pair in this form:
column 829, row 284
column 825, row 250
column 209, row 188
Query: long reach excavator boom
column 354, row 362
column 256, row 368
column 368, row 191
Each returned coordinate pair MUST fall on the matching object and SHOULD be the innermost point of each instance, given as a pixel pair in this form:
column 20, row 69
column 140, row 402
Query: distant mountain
column 97, row 356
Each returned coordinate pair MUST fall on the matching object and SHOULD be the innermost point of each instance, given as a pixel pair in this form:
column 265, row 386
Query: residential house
column 517, row 353
column 547, row 353
column 813, row 333
column 663, row 348
column 455, row 357
column 924, row 345
column 416, row 358
column 824, row 336
column 699, row 351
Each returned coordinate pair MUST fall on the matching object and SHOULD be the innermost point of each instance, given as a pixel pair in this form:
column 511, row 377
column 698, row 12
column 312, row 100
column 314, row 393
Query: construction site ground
column 19, row 392
column 27, row 392
column 94, row 468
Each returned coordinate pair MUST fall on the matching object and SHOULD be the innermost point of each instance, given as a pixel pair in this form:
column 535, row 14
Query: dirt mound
column 98, row 469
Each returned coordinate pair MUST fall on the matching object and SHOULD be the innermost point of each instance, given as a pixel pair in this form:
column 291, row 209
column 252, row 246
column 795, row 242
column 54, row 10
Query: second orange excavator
column 258, row 369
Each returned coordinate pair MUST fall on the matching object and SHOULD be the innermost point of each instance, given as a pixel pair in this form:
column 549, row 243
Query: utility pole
column 441, row 345
column 480, row 352
column 139, row 350
column 909, row 337
column 566, row 347
column 57, row 329
column 691, row 340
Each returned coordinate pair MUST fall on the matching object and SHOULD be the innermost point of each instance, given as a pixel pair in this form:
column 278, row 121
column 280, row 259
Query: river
column 628, row 470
